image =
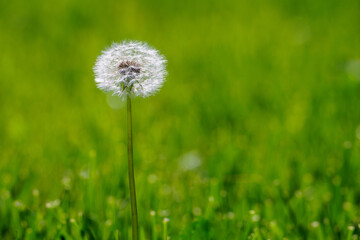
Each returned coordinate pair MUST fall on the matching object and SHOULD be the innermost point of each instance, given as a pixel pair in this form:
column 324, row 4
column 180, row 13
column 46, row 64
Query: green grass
column 255, row 135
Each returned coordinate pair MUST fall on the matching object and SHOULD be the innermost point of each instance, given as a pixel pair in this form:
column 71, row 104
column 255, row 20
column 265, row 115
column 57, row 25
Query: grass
column 254, row 135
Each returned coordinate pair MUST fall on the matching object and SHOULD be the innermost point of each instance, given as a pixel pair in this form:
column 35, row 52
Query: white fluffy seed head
column 130, row 68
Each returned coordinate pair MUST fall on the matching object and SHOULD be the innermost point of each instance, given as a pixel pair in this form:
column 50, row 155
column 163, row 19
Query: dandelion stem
column 134, row 217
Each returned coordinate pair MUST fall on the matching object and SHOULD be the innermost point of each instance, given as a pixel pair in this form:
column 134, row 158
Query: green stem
column 134, row 217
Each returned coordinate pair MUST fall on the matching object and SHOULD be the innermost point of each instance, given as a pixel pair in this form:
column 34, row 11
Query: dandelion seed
column 351, row 228
column 152, row 213
column 130, row 68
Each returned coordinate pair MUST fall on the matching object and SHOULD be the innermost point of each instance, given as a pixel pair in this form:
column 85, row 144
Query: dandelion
column 130, row 69
column 165, row 223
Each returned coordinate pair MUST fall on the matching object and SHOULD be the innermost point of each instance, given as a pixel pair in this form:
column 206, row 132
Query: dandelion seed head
column 130, row 68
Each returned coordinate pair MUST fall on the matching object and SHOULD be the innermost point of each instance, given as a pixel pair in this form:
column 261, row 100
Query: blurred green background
column 255, row 134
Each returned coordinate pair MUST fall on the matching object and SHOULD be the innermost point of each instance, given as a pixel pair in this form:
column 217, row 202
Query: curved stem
column 134, row 217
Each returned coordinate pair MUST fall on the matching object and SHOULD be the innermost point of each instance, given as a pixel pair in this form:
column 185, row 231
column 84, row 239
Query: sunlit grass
column 255, row 133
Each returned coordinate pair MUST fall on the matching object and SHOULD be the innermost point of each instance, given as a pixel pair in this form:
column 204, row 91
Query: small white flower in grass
column 255, row 218
column 53, row 204
column 273, row 223
column 315, row 224
column 164, row 213
column 108, row 222
column 351, row 228
column 230, row 215
column 35, row 192
column 252, row 212
column 19, row 205
column 130, row 68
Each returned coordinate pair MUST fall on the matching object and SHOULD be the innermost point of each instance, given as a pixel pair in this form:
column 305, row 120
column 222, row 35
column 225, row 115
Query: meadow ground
column 255, row 135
